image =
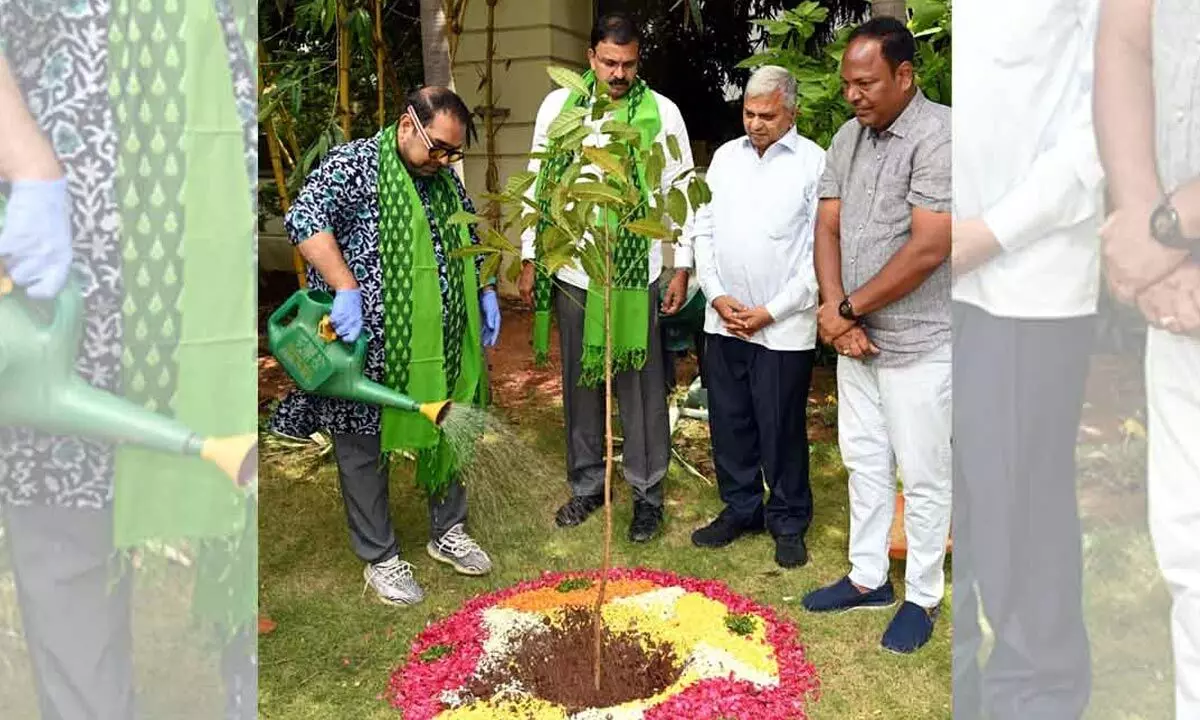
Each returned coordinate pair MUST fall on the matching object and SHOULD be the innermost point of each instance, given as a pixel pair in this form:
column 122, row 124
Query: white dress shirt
column 754, row 241
column 672, row 124
column 1025, row 157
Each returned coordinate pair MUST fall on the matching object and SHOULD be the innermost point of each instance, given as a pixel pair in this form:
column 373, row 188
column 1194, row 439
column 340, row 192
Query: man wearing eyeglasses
column 372, row 222
column 638, row 386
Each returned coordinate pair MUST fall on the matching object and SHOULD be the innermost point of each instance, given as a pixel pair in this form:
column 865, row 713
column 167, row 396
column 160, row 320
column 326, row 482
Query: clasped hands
column 846, row 336
column 1162, row 282
column 740, row 320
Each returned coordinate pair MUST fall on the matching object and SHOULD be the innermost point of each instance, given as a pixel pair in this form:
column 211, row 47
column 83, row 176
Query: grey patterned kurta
column 340, row 197
column 880, row 177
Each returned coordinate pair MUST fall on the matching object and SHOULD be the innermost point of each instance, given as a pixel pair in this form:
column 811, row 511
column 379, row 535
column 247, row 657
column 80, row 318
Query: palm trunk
column 435, row 53
column 435, row 46
column 343, row 30
column 597, row 616
column 889, row 8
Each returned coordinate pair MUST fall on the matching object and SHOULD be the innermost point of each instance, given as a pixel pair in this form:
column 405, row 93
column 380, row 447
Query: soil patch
column 556, row 666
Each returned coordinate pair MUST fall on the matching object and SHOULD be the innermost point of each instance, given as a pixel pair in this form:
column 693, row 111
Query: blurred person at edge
column 58, row 494
column 1025, row 258
column 1148, row 127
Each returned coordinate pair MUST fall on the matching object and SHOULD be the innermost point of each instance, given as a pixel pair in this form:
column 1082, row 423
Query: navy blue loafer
column 910, row 629
column 842, row 595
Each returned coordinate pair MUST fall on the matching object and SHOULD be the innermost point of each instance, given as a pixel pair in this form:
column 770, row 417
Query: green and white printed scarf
column 425, row 360
column 630, row 293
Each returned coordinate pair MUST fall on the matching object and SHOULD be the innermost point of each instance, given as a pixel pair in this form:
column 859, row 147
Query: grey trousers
column 640, row 395
column 363, row 474
column 76, row 614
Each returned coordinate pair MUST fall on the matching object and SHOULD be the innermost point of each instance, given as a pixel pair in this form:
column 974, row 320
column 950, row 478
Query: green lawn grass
column 335, row 647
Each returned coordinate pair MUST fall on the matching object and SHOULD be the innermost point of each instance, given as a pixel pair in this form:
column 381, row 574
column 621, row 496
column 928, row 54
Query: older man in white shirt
column 639, row 391
column 1026, row 258
column 754, row 249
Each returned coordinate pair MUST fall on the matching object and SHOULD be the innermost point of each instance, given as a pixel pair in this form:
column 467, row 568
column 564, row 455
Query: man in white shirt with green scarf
column 638, row 379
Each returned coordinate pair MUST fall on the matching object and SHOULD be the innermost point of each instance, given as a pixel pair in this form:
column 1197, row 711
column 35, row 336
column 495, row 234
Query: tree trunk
column 435, row 53
column 597, row 616
column 890, row 8
column 435, row 45
column 343, row 64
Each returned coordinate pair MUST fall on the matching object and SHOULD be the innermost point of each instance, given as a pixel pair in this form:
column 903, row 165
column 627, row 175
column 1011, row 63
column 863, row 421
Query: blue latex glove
column 489, row 306
column 35, row 244
column 347, row 314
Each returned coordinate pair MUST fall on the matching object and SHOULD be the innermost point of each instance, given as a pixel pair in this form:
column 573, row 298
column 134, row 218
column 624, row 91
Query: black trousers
column 1018, row 396
column 756, row 409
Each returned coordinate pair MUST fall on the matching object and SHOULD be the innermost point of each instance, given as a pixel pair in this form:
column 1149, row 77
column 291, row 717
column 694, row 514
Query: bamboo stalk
column 379, row 60
column 492, row 176
column 343, row 28
column 273, row 149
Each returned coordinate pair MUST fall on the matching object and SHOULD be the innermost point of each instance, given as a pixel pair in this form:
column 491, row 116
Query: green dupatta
column 426, row 359
column 630, row 292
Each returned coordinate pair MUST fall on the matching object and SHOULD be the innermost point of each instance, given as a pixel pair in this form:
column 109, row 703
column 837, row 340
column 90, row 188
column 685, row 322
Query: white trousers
column 893, row 416
column 1173, row 404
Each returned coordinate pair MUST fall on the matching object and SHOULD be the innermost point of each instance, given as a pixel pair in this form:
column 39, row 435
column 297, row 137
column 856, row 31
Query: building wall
column 529, row 36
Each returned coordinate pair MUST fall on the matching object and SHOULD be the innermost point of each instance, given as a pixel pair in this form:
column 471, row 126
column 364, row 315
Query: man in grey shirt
column 881, row 251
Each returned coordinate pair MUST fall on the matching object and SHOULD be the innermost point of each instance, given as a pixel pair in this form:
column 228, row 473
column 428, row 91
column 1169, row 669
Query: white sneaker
column 458, row 549
column 392, row 580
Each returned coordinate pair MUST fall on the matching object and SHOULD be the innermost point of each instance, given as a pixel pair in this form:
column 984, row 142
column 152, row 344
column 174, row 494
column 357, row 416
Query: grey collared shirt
column 880, row 178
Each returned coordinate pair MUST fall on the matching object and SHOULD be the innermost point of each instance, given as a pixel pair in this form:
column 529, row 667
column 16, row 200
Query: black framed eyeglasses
column 436, row 152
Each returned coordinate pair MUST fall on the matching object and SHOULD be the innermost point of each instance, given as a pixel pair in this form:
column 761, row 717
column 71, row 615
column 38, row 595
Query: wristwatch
column 1165, row 226
column 846, row 310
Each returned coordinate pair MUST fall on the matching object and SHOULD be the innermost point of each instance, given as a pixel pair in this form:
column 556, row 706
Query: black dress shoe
column 790, row 551
column 646, row 520
column 577, row 509
column 724, row 530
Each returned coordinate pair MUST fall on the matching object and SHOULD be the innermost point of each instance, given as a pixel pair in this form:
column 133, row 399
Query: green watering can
column 301, row 337
column 39, row 388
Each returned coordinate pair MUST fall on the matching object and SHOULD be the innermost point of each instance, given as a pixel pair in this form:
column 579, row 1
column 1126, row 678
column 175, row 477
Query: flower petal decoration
column 728, row 656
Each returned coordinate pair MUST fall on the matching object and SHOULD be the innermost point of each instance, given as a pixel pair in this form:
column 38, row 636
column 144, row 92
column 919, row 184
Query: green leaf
column 598, row 192
column 770, row 57
column 519, row 182
column 568, row 79
column 567, row 121
column 673, row 147
column 648, row 228
column 694, row 193
column 677, row 206
column 574, row 139
column 513, row 272
column 592, row 259
column 654, row 167
column 493, row 238
column 622, row 130
column 462, row 217
column 472, row 250
column 606, row 161
column 491, row 267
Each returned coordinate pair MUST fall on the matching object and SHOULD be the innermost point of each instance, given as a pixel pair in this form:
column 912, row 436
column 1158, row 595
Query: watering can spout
column 372, row 393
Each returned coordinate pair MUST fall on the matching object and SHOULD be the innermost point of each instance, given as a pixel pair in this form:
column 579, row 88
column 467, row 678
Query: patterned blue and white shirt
column 340, row 197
